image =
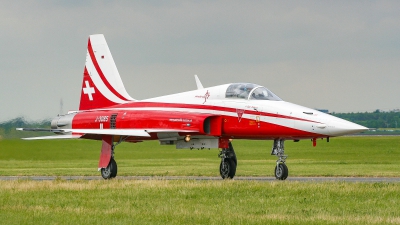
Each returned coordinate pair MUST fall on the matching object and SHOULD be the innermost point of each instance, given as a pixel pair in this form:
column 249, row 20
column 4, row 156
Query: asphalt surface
column 260, row 179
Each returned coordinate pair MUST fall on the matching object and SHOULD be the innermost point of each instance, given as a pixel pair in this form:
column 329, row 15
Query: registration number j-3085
column 101, row 119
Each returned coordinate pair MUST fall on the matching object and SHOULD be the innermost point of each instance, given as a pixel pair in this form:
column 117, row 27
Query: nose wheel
column 278, row 149
column 281, row 171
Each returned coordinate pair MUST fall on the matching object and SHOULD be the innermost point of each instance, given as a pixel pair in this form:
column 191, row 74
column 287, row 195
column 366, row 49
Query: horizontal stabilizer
column 40, row 129
column 123, row 132
column 67, row 136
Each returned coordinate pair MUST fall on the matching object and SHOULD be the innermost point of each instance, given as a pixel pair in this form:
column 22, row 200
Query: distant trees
column 376, row 119
column 8, row 128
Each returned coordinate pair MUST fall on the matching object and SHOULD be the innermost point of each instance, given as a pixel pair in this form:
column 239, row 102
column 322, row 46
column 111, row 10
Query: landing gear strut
column 278, row 149
column 228, row 165
column 107, row 157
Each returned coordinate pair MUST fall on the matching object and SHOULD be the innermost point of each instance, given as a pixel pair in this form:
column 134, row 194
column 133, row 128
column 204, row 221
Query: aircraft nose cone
column 340, row 127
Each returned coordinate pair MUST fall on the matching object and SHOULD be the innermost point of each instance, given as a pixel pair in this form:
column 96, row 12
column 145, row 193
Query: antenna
column 198, row 83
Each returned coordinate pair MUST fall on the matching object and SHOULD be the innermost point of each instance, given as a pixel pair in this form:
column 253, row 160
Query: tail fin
column 102, row 85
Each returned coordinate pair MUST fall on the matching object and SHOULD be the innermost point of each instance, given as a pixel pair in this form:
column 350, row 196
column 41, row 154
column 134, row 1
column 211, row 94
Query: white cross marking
column 88, row 90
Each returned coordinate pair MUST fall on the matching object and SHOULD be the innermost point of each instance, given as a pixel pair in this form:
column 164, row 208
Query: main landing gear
column 228, row 165
column 281, row 170
column 111, row 170
column 107, row 164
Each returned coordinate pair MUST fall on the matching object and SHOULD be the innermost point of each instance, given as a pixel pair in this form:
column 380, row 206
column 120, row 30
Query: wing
column 65, row 136
column 78, row 133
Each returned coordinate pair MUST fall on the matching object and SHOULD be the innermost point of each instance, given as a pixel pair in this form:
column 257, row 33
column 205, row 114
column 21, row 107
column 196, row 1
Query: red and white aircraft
column 200, row 119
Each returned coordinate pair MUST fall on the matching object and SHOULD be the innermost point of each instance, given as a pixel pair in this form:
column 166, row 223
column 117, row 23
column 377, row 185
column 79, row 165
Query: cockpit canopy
column 250, row 91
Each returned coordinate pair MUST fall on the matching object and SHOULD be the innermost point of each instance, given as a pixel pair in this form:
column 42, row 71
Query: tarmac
column 201, row 178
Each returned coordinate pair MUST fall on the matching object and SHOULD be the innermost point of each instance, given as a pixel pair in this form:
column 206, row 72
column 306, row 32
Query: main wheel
column 281, row 171
column 227, row 168
column 114, row 168
column 110, row 171
column 232, row 153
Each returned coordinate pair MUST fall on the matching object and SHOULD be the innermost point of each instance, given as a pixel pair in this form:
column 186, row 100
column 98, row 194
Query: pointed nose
column 339, row 127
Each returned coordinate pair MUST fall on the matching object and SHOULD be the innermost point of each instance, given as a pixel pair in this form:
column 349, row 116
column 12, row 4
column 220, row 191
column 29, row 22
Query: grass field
column 200, row 202
column 197, row 202
column 344, row 156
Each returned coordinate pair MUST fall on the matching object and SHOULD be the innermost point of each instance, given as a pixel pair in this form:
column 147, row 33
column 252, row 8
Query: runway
column 200, row 178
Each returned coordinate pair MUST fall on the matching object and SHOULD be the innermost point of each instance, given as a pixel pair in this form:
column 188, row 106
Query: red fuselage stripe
column 138, row 105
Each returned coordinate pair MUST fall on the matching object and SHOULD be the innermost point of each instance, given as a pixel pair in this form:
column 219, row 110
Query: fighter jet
column 205, row 118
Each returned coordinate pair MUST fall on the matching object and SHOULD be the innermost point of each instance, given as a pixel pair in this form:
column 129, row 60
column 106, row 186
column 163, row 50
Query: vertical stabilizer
column 102, row 85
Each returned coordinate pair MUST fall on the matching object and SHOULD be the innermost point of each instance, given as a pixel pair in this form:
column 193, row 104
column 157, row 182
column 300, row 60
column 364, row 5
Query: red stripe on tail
column 100, row 72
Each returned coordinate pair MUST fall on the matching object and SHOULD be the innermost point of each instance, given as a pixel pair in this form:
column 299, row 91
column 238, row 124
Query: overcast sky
column 343, row 56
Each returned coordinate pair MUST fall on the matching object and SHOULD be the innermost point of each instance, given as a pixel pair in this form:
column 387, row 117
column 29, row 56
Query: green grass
column 197, row 202
column 344, row 156
column 158, row 201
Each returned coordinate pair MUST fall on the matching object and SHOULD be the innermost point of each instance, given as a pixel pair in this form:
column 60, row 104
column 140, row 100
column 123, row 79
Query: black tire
column 227, row 168
column 114, row 168
column 232, row 153
column 110, row 171
column 281, row 171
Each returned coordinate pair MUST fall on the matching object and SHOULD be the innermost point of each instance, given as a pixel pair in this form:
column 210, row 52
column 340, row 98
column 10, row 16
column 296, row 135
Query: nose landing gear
column 281, row 170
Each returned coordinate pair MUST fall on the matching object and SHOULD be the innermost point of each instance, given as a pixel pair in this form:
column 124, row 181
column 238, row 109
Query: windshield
column 244, row 90
column 261, row 93
column 239, row 90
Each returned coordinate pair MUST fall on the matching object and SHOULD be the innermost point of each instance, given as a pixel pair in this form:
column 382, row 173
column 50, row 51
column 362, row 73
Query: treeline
column 376, row 119
column 8, row 128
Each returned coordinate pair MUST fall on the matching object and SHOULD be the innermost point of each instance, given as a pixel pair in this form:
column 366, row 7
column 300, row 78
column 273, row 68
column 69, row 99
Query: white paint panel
column 107, row 64
column 99, row 82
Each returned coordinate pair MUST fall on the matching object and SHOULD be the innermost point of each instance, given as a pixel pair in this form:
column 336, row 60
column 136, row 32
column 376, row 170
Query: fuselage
column 213, row 112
